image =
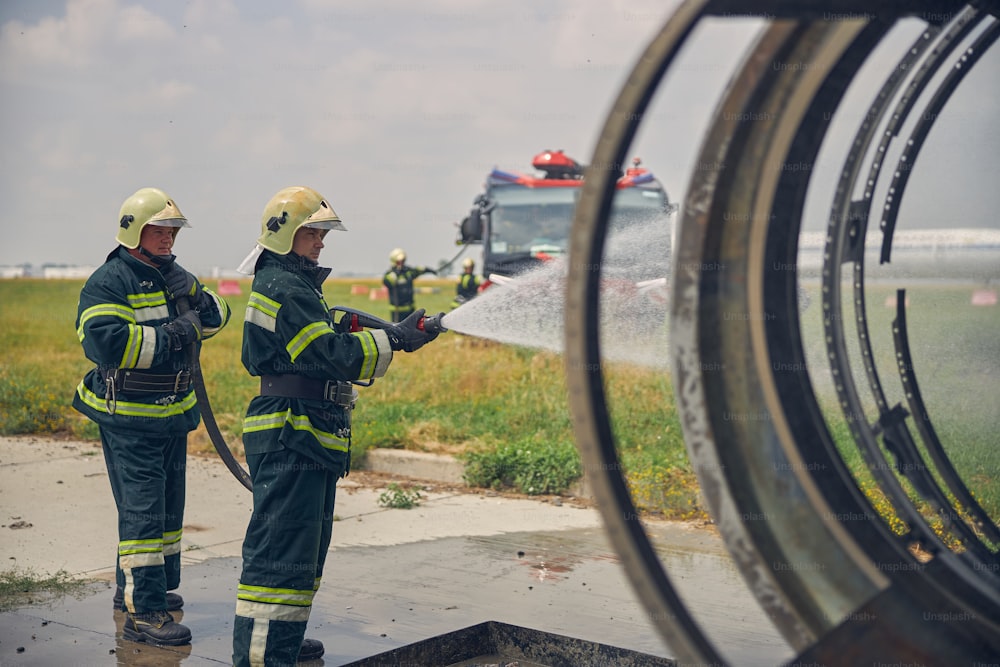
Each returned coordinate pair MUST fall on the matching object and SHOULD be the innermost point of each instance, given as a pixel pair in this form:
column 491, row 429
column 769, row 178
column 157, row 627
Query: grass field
column 955, row 355
column 504, row 408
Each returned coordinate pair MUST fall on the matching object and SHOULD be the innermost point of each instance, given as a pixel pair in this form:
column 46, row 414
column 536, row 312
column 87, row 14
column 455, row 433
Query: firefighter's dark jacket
column 468, row 286
column 399, row 281
column 288, row 330
column 122, row 307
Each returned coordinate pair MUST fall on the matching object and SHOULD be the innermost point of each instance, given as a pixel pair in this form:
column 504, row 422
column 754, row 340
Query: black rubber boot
column 157, row 628
column 174, row 601
column 312, row 649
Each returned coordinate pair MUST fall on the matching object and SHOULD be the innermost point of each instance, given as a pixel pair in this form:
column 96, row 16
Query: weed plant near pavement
column 21, row 586
column 502, row 408
column 398, row 497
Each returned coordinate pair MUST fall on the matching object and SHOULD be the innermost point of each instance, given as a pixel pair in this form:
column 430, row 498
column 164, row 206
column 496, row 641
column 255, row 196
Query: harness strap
column 298, row 386
column 125, row 379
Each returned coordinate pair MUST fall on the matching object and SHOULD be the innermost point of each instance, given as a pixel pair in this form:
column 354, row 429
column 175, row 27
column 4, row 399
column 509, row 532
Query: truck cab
column 522, row 221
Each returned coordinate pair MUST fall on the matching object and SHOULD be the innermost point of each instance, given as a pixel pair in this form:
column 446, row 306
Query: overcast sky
column 395, row 111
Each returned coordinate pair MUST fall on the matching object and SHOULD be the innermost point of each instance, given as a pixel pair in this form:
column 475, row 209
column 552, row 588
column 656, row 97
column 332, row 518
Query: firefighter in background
column 399, row 281
column 141, row 397
column 468, row 284
column 297, row 432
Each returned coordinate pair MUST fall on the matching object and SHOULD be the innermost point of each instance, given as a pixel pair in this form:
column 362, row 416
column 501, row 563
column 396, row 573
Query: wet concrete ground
column 394, row 577
column 375, row 599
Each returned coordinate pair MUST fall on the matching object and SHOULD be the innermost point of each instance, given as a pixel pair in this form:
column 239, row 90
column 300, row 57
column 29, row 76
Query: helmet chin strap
column 302, row 259
column 162, row 262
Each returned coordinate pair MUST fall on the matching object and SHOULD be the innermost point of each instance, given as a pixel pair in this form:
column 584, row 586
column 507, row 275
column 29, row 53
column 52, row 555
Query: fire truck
column 524, row 220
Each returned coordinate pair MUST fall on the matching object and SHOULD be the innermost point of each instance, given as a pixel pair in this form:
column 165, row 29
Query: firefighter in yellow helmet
column 399, row 281
column 297, row 432
column 468, row 283
column 139, row 393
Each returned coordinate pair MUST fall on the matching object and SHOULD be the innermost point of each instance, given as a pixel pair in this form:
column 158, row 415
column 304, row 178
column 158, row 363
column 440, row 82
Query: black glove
column 183, row 329
column 406, row 336
column 348, row 323
column 431, row 271
column 181, row 283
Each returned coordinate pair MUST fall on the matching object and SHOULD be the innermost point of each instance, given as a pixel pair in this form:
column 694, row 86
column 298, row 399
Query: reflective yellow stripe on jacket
column 131, row 409
column 310, row 332
column 141, row 343
column 277, row 420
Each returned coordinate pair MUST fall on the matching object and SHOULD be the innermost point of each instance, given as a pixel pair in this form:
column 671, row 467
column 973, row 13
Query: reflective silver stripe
column 384, row 352
column 258, row 641
column 128, row 591
column 262, row 311
column 150, row 314
column 132, row 561
column 172, row 542
column 149, row 306
column 130, row 357
column 272, row 612
column 148, row 348
column 223, row 308
column 263, row 320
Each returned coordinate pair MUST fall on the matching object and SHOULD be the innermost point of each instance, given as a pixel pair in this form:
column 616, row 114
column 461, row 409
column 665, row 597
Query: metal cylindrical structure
column 838, row 583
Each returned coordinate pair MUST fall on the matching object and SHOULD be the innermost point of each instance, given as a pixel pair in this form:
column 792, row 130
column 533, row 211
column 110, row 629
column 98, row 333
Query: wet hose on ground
column 207, row 415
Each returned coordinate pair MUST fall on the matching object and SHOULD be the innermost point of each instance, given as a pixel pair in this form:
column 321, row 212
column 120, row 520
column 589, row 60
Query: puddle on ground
column 376, row 599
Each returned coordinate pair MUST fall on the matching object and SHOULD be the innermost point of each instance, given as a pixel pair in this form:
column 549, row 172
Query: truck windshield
column 534, row 220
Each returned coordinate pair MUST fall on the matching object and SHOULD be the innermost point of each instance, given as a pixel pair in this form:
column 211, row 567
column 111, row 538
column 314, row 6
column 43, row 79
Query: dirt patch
column 377, row 480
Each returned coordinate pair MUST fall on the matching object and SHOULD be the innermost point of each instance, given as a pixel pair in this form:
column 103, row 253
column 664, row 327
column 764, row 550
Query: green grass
column 533, row 468
column 21, row 586
column 956, row 359
column 504, row 408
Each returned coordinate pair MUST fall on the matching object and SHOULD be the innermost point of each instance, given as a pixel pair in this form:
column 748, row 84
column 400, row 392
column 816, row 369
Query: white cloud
column 138, row 28
column 89, row 34
column 395, row 110
column 168, row 93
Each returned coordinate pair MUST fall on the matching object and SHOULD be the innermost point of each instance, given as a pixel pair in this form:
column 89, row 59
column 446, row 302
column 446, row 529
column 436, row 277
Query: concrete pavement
column 394, row 576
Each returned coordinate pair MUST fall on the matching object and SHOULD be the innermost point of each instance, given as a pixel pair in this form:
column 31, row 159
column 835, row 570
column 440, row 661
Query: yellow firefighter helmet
column 147, row 206
column 290, row 209
column 468, row 263
column 397, row 255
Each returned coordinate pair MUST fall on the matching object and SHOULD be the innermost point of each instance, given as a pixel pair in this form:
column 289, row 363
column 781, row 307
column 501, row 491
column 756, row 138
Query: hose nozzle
column 432, row 323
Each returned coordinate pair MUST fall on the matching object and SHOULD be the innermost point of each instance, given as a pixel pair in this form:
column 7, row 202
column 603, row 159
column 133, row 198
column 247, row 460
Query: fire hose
column 430, row 324
column 359, row 318
column 207, row 415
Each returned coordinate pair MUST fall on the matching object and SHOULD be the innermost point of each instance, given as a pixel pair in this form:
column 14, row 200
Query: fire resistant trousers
column 147, row 474
column 283, row 556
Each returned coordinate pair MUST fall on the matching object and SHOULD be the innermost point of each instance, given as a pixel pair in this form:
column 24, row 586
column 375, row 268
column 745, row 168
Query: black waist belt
column 298, row 386
column 130, row 380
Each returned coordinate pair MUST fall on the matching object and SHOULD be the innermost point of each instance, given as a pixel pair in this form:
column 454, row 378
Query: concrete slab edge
column 440, row 468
